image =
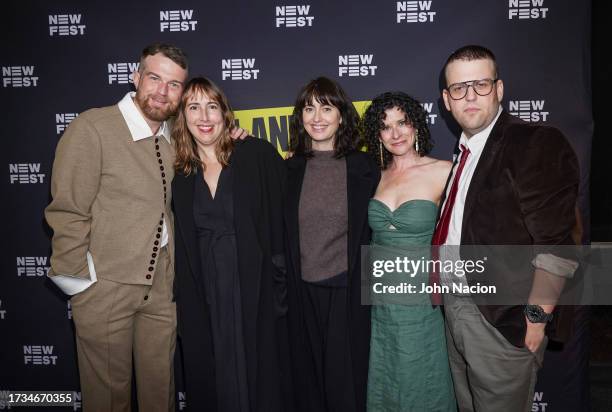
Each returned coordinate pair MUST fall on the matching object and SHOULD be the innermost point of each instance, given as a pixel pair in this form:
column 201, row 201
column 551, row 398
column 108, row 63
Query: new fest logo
column 414, row 12
column 429, row 117
column 239, row 69
column 182, row 400
column 66, row 25
column 78, row 401
column 294, row 16
column 356, row 65
column 176, row 20
column 26, row 173
column 39, row 355
column 529, row 110
column 538, row 405
column 121, row 73
column 273, row 124
column 32, row 266
column 19, row 76
column 62, row 120
column 526, row 9
column 4, row 400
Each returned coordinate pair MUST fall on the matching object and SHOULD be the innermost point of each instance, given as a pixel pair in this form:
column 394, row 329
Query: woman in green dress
column 409, row 369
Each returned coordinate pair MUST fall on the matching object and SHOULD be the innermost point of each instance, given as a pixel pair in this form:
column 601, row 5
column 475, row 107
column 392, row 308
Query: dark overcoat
column 362, row 179
column 258, row 193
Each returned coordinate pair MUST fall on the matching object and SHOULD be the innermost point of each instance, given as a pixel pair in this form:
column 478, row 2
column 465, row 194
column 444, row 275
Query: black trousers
column 326, row 321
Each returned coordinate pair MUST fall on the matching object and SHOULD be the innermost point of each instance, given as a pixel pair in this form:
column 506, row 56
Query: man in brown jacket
column 514, row 184
column 113, row 239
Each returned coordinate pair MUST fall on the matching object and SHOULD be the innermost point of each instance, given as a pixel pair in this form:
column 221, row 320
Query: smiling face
column 159, row 86
column 321, row 122
column 473, row 112
column 397, row 133
column 204, row 119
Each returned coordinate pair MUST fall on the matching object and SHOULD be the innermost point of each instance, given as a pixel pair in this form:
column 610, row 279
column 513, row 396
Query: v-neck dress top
column 214, row 221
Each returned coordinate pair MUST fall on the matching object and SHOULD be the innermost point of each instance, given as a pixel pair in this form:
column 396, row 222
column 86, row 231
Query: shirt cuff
column 555, row 265
column 164, row 238
column 71, row 285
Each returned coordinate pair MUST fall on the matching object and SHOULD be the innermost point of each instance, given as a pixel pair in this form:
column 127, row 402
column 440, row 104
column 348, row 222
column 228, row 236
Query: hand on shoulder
column 238, row 133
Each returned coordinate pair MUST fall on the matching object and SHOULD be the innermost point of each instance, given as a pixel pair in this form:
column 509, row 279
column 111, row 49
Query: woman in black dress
column 330, row 183
column 230, row 278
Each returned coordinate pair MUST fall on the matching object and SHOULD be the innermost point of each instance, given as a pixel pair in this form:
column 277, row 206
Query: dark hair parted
column 469, row 53
column 375, row 115
column 328, row 92
column 187, row 159
column 174, row 53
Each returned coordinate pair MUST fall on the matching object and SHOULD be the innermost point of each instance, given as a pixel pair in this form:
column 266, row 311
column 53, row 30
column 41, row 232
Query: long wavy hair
column 325, row 91
column 187, row 159
column 373, row 122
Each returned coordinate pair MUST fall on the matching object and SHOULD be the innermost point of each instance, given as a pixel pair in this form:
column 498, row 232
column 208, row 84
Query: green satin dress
column 409, row 368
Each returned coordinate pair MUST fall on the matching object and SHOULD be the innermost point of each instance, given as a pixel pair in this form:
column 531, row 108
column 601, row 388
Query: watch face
column 535, row 313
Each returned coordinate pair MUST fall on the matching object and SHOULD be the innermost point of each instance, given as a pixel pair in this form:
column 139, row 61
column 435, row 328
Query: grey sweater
column 323, row 218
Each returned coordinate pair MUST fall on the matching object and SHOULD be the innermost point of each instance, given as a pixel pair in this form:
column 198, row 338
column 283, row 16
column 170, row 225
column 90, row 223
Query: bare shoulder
column 440, row 170
column 444, row 166
column 438, row 166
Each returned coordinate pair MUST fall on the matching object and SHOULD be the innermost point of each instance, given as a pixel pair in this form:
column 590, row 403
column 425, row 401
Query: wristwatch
column 535, row 314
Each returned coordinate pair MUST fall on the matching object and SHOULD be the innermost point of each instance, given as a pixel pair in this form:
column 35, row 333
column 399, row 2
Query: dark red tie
column 441, row 232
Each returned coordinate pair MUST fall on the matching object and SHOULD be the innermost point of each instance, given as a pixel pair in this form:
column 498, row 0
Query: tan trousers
column 489, row 373
column 116, row 323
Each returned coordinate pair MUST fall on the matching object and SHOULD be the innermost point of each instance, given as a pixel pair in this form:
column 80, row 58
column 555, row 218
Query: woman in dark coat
column 329, row 185
column 230, row 273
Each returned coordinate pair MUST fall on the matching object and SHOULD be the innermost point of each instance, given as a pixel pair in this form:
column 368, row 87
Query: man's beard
column 154, row 113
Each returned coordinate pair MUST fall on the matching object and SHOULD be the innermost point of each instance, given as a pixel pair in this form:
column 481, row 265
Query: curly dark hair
column 325, row 91
column 375, row 115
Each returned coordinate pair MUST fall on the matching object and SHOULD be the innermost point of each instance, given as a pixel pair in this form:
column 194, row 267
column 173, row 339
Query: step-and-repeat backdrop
column 60, row 58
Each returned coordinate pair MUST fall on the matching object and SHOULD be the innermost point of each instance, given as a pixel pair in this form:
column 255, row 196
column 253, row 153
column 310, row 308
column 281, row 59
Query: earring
column 380, row 149
column 416, row 141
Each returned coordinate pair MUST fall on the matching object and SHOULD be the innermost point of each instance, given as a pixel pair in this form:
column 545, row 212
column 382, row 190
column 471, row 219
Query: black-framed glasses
column 483, row 87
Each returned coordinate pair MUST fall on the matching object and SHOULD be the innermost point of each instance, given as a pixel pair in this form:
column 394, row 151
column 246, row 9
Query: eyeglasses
column 458, row 91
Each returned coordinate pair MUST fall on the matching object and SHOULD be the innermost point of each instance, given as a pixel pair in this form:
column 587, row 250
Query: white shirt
column 475, row 143
column 139, row 129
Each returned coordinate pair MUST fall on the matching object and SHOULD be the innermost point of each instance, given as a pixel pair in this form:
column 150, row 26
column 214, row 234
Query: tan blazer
column 108, row 199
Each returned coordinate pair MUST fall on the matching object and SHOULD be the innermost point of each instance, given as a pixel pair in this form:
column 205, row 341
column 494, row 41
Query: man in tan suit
column 113, row 239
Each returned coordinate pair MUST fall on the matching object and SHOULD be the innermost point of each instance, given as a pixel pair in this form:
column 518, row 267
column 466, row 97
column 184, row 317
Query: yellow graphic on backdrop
column 273, row 124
